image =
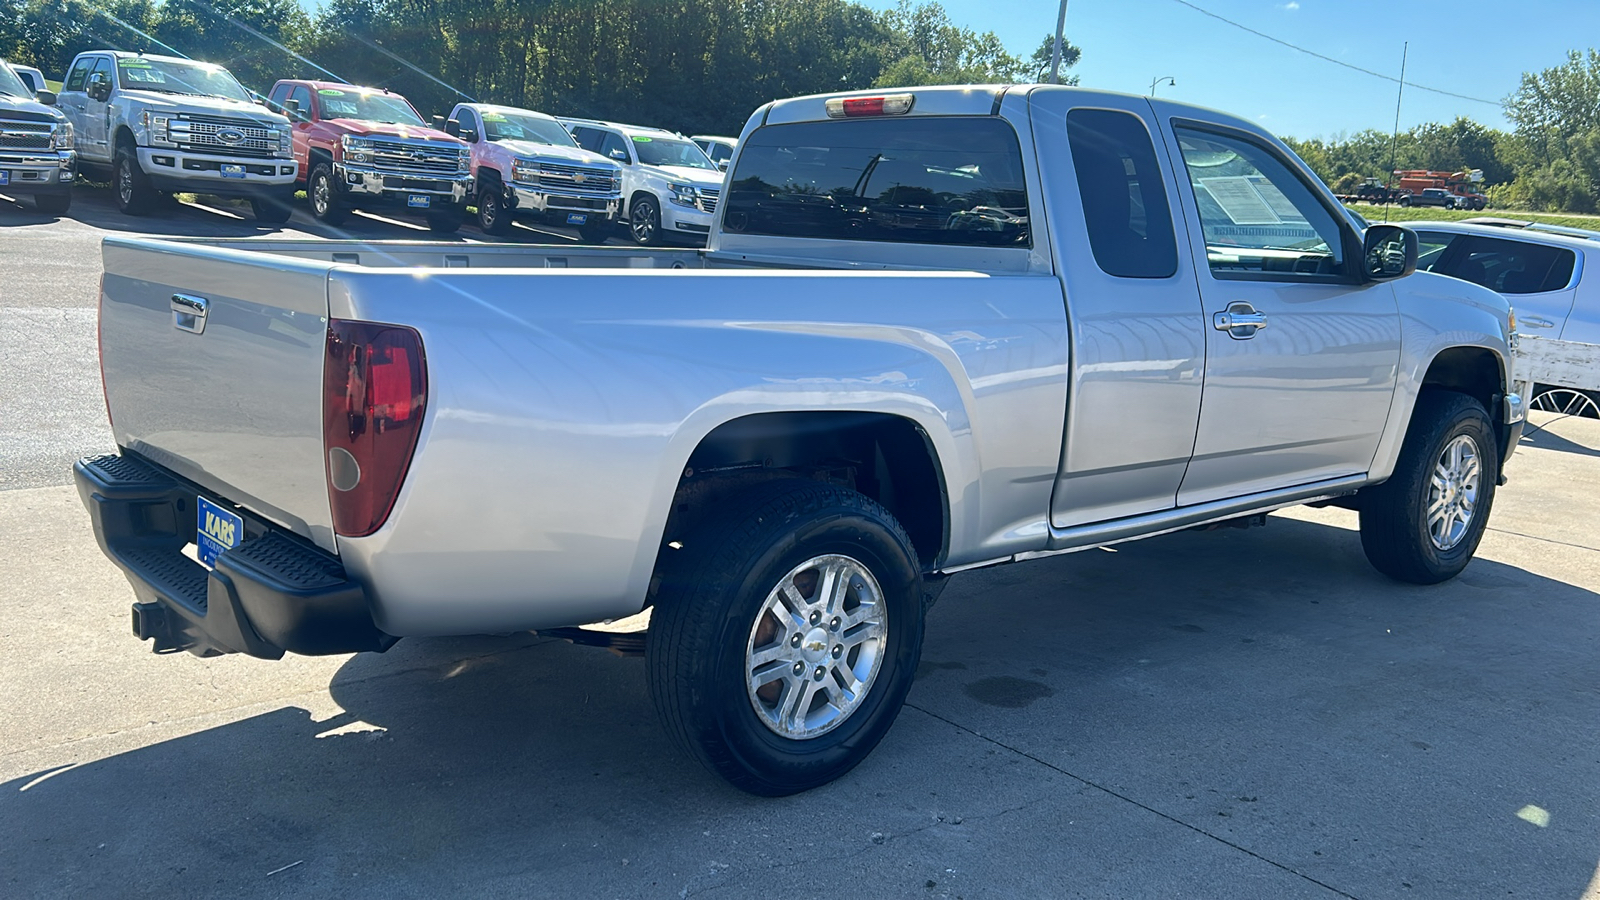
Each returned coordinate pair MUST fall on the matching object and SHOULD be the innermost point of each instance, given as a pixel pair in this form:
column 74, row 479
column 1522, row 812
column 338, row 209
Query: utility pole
column 1394, row 146
column 1055, row 55
column 1155, row 81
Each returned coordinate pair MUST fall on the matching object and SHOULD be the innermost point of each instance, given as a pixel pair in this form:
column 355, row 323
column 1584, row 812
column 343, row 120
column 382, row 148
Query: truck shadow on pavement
column 1261, row 687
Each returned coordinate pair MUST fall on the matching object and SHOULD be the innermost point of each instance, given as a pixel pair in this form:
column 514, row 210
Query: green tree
column 1562, row 100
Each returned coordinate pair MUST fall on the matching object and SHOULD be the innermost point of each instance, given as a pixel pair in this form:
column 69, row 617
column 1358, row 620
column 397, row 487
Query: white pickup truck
column 159, row 123
column 934, row 330
column 669, row 186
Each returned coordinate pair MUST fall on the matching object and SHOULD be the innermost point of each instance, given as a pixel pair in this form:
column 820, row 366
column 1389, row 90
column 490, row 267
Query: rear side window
column 931, row 180
column 78, row 75
column 1124, row 201
column 1509, row 267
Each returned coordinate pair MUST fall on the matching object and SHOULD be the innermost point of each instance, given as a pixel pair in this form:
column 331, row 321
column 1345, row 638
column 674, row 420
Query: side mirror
column 470, row 135
column 452, row 128
column 438, row 123
column 99, row 87
column 724, row 165
column 620, row 156
column 1387, row 252
column 48, row 98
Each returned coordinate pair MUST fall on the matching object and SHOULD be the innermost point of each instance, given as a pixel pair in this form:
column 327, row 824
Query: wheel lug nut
column 838, row 650
column 795, row 641
column 815, row 617
column 799, row 668
column 834, row 625
column 819, row 673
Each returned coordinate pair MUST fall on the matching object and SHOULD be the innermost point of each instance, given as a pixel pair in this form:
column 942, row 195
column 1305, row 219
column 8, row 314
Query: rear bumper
column 269, row 595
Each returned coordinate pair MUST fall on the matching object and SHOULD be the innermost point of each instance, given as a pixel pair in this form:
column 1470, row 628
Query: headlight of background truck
column 684, row 194
column 61, row 136
column 157, row 126
column 464, row 161
column 285, row 140
column 356, row 149
column 525, row 171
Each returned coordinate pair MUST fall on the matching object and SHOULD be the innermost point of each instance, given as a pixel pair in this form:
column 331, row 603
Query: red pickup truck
column 363, row 147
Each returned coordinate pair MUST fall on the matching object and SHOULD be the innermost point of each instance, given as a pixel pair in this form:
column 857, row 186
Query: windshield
column 509, row 127
column 654, row 151
column 177, row 77
column 11, row 84
column 368, row 106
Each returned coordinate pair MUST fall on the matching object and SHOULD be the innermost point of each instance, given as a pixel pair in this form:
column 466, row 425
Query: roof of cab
column 514, row 110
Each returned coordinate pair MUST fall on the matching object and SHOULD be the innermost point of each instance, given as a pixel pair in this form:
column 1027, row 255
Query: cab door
column 74, row 102
column 97, row 113
column 1301, row 352
column 1133, row 308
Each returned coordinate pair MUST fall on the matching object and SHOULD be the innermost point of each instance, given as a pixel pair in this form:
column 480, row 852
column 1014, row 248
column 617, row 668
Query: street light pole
column 1055, row 55
column 1155, row 81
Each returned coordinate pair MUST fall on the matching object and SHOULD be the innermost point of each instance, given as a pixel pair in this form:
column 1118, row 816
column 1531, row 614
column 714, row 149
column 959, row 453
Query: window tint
column 1124, row 202
column 612, row 146
column 31, row 80
column 933, row 180
column 302, row 95
column 587, row 138
column 102, row 67
column 1258, row 216
column 717, row 151
column 468, row 121
column 1510, row 267
column 1431, row 246
column 79, row 75
column 279, row 94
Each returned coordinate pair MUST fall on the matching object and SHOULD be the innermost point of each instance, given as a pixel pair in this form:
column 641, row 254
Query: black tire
column 130, row 187
column 1395, row 527
column 1404, row 201
column 446, row 219
column 595, row 232
column 322, row 192
column 711, row 597
column 493, row 215
column 53, row 204
column 644, row 222
column 271, row 210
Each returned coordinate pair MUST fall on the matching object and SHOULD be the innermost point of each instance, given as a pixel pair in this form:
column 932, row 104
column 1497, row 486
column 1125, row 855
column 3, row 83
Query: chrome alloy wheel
column 125, row 182
column 642, row 223
column 816, row 647
column 1567, row 402
column 321, row 196
column 1453, row 492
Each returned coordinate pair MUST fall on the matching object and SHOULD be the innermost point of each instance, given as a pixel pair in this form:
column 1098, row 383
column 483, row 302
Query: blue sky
column 1126, row 43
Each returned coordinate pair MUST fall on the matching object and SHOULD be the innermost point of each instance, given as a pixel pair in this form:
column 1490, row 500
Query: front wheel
column 1423, row 524
column 271, row 210
column 322, row 192
column 644, row 222
column 134, row 195
column 446, row 219
column 1405, row 201
column 785, row 635
column 53, row 204
column 493, row 216
column 595, row 231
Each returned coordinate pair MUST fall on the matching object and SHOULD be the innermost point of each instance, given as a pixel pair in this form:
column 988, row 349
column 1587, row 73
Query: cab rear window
column 945, row 180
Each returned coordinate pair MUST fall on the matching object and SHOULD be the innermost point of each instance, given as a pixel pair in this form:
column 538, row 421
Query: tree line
column 691, row 65
column 1549, row 161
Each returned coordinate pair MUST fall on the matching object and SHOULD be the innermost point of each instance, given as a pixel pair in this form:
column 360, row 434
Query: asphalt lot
column 1230, row 714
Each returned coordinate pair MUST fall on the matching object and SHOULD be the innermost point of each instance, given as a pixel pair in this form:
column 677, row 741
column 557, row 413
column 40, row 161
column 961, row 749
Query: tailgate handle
column 189, row 313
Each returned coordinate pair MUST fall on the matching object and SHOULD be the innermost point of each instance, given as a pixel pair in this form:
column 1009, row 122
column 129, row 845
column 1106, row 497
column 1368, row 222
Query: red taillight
column 374, row 391
column 887, row 105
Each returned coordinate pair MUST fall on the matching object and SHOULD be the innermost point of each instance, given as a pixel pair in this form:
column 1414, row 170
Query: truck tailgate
column 212, row 361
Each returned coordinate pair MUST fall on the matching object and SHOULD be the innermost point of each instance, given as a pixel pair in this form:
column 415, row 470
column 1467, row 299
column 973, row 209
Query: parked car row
column 152, row 124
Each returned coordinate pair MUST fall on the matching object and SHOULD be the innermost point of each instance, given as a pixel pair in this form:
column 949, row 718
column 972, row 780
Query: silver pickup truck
column 934, row 330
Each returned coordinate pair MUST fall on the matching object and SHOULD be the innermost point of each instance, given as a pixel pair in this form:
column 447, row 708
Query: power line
column 1337, row 62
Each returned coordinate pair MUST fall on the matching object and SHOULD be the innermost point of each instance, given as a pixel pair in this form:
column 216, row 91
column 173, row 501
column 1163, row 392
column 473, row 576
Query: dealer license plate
column 232, row 170
column 216, row 530
column 419, row 201
column 5, row 177
column 577, row 218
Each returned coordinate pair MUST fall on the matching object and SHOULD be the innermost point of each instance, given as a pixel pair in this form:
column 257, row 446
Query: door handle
column 189, row 313
column 1535, row 322
column 1240, row 321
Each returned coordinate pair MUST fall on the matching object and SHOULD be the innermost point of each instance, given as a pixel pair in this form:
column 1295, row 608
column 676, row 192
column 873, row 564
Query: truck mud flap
column 269, row 595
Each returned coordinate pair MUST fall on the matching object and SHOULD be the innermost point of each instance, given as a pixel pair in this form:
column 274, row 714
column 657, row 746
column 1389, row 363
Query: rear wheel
column 1567, row 401
column 1425, row 522
column 785, row 635
column 53, row 204
column 130, row 185
column 322, row 192
column 493, row 215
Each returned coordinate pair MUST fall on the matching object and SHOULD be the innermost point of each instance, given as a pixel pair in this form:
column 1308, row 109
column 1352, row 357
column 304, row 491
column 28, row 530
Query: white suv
column 719, row 148
column 670, row 188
